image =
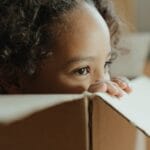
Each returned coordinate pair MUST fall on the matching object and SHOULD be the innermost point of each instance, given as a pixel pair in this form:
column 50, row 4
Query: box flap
column 110, row 131
column 135, row 107
column 16, row 107
column 61, row 127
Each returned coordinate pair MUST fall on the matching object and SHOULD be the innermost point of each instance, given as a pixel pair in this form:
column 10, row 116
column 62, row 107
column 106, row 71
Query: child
column 58, row 46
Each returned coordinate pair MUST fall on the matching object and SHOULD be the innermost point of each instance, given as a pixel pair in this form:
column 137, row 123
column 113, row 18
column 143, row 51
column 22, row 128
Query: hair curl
column 21, row 22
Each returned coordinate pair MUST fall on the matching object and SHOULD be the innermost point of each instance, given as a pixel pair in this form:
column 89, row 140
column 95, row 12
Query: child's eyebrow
column 78, row 60
column 82, row 59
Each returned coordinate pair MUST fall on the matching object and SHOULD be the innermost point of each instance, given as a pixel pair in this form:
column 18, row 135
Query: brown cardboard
column 85, row 124
column 62, row 127
column 134, row 106
column 110, row 130
column 75, row 122
column 148, row 144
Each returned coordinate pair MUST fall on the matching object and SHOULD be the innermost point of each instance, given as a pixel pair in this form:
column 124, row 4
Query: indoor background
column 136, row 15
column 135, row 40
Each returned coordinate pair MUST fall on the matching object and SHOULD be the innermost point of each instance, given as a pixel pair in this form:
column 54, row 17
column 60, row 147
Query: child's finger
column 120, row 83
column 114, row 90
column 123, row 83
column 107, row 86
column 128, row 89
column 100, row 87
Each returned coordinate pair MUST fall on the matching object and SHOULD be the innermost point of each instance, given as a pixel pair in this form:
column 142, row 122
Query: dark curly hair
column 22, row 36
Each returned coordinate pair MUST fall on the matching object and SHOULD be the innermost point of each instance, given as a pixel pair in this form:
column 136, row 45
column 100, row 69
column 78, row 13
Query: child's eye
column 82, row 71
column 108, row 64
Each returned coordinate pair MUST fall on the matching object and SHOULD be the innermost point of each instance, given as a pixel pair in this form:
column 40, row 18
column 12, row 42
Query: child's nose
column 98, row 76
column 96, row 85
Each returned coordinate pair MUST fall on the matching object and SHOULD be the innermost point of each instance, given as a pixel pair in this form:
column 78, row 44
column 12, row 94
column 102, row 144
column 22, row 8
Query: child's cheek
column 73, row 86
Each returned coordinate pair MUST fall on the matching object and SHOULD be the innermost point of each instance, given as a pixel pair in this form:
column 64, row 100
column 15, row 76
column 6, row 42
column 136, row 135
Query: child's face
column 80, row 56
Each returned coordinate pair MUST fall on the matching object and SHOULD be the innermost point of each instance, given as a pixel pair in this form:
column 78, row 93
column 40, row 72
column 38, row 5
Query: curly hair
column 21, row 23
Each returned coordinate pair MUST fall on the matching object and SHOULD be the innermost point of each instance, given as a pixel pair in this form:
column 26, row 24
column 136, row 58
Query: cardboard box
column 72, row 122
column 148, row 143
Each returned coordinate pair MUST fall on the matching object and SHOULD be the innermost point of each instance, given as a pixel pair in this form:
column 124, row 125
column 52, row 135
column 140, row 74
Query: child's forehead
column 79, row 22
column 87, row 15
column 81, row 32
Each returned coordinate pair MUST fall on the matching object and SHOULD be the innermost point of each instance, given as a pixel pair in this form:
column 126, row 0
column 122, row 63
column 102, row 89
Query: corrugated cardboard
column 136, row 106
column 110, row 130
column 73, row 122
column 59, row 127
column 148, row 144
column 74, row 125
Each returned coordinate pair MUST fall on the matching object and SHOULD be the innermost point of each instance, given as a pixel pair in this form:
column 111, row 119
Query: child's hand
column 117, row 86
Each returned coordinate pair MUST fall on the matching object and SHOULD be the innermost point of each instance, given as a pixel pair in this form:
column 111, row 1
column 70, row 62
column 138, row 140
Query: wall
column 126, row 10
column 135, row 12
column 142, row 15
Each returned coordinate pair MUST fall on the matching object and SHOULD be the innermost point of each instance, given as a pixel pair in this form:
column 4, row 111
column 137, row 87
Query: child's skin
column 80, row 60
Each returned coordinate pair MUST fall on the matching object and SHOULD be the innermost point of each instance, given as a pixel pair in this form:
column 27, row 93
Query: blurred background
column 133, row 61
